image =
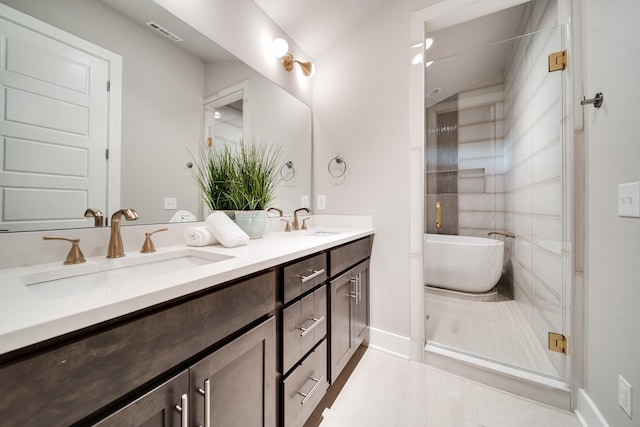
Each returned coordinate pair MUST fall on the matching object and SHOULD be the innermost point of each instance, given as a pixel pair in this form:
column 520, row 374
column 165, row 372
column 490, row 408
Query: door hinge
column 106, row 154
column 558, row 61
column 108, row 86
column 557, row 342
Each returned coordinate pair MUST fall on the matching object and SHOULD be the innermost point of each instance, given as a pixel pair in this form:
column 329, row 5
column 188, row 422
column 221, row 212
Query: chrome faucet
column 296, row 223
column 116, row 249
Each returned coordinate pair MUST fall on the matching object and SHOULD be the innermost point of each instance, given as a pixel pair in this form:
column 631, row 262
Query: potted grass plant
column 255, row 185
column 215, row 169
column 240, row 178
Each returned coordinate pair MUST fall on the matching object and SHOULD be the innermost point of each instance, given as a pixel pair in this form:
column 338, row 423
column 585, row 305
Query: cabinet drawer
column 71, row 381
column 304, row 324
column 303, row 276
column 305, row 387
column 345, row 256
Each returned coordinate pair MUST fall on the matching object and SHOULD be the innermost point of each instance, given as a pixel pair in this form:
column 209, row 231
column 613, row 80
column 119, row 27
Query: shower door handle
column 438, row 214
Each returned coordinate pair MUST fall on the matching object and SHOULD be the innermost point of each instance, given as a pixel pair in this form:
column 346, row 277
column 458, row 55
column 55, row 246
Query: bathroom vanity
column 252, row 339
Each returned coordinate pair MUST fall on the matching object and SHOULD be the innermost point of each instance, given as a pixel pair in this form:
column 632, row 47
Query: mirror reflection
column 170, row 94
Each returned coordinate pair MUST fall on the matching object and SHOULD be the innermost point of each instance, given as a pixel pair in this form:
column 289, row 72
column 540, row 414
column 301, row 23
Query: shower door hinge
column 557, row 342
column 558, row 61
column 108, row 85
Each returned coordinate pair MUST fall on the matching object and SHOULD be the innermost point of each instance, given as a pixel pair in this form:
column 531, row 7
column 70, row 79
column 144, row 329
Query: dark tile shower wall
column 442, row 168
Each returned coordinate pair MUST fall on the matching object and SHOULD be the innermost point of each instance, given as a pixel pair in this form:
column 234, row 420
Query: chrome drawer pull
column 206, row 393
column 183, row 408
column 354, row 293
column 316, row 322
column 316, row 273
column 313, row 389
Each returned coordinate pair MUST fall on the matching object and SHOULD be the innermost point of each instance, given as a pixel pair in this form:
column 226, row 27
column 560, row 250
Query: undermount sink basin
column 111, row 273
column 322, row 233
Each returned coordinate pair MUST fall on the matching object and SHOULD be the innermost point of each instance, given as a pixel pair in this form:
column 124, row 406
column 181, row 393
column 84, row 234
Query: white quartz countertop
column 28, row 317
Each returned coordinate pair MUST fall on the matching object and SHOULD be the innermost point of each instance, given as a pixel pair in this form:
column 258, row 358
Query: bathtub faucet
column 513, row 236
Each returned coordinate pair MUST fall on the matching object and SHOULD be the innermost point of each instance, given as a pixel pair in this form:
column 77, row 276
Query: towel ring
column 288, row 174
column 340, row 166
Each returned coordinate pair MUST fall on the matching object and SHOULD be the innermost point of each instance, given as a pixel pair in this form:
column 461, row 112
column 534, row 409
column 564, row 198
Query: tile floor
column 388, row 391
column 493, row 330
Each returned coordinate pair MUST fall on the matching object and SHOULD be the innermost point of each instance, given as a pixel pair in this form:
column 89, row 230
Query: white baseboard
column 391, row 343
column 587, row 411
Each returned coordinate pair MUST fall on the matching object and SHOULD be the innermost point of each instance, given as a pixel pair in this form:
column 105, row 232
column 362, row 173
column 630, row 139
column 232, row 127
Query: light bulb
column 427, row 43
column 279, row 47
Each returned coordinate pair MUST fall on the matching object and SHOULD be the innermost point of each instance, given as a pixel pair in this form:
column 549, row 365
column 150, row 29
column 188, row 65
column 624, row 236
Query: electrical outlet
column 170, row 203
column 624, row 395
column 321, row 203
column 304, row 201
column 629, row 199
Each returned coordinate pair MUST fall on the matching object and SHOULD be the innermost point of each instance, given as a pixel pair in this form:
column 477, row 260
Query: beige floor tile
column 388, row 391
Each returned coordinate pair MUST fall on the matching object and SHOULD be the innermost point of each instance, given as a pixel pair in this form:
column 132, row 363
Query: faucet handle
column 147, row 246
column 304, row 223
column 287, row 228
column 75, row 255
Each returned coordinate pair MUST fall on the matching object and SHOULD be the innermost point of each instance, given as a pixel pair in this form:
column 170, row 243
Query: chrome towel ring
column 288, row 173
column 337, row 166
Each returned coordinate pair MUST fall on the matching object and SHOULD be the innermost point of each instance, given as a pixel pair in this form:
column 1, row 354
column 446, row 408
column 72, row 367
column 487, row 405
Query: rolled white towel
column 183, row 216
column 199, row 236
column 225, row 230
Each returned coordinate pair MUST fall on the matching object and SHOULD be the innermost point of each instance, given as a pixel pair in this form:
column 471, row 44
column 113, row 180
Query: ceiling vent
column 163, row 31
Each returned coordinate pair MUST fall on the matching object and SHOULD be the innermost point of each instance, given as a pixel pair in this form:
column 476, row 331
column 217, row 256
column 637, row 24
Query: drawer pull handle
column 316, row 322
column 316, row 273
column 313, row 389
column 206, row 393
column 183, row 408
column 355, row 293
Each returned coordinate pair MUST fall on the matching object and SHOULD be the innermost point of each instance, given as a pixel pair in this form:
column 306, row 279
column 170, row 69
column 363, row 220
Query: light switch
column 629, row 199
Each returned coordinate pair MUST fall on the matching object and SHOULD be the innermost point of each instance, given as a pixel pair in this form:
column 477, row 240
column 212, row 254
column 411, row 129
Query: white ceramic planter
column 252, row 222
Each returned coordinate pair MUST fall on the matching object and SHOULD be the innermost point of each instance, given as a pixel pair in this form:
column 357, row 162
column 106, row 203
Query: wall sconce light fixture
column 280, row 49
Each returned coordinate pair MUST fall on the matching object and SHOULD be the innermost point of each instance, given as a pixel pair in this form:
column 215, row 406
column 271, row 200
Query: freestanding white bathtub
column 462, row 263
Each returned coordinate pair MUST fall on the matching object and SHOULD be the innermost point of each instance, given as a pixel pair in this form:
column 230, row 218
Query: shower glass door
column 494, row 162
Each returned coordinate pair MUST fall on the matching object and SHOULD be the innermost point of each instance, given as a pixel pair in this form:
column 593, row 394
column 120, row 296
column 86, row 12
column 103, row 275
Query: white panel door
column 53, row 131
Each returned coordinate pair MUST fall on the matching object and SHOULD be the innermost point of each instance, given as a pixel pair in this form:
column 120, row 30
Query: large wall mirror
column 170, row 93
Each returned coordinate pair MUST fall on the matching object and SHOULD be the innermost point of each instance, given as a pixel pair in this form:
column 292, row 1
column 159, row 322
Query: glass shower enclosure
column 495, row 161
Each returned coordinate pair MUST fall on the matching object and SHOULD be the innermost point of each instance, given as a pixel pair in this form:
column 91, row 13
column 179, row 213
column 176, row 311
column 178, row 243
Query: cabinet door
column 164, row 406
column 361, row 303
column 236, row 385
column 342, row 342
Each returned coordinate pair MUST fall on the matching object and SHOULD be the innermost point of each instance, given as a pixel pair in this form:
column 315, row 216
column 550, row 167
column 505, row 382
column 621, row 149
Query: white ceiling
column 316, row 25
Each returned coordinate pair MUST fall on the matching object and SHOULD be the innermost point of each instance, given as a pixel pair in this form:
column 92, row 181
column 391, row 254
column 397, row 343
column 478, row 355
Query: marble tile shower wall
column 480, row 161
column 533, row 174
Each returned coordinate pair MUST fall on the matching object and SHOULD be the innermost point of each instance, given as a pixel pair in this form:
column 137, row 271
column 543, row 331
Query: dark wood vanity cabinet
column 77, row 380
column 322, row 324
column 348, row 302
column 256, row 351
column 303, row 361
